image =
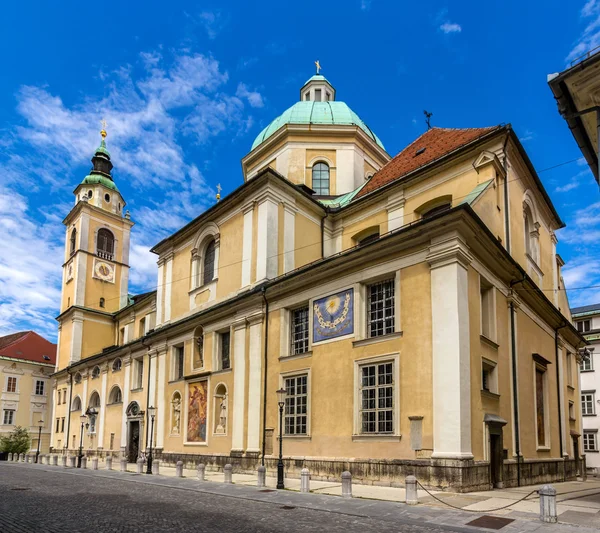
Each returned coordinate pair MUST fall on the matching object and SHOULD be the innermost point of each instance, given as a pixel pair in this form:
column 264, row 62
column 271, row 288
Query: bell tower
column 96, row 263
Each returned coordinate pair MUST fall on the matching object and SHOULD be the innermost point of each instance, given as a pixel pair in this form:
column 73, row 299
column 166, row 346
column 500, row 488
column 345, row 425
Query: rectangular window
column 299, row 331
column 381, row 308
column 112, row 441
column 590, row 441
column 377, row 398
column 142, row 327
column 569, row 364
column 122, row 336
column 489, row 381
column 39, row 387
column 588, row 399
column 58, row 402
column 225, row 350
column 296, row 405
column 139, row 374
column 9, row 416
column 540, row 406
column 317, row 95
column 586, row 364
column 57, row 425
column 62, row 424
column 571, row 411
column 178, row 355
column 487, row 309
column 11, row 384
column 583, row 326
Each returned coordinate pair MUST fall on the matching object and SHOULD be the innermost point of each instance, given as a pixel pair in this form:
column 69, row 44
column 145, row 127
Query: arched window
column 106, row 244
column 73, row 241
column 531, row 230
column 76, row 405
column 320, row 179
column 208, row 265
column 94, row 400
column 102, row 302
column 115, row 395
column 96, row 372
column 77, row 378
column 116, row 366
column 436, row 210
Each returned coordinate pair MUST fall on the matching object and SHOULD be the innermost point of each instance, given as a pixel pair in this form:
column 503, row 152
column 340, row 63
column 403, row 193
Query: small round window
column 107, row 197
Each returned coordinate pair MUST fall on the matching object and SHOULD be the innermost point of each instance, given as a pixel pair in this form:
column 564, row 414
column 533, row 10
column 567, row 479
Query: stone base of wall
column 453, row 475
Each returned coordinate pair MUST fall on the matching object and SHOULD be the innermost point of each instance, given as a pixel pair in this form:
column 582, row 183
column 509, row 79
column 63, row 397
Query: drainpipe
column 322, row 236
column 513, row 342
column 558, row 391
column 506, row 206
column 69, row 405
column 266, row 363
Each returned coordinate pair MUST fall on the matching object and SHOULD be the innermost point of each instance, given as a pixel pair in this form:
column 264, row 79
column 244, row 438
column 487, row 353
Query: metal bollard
column 109, row 462
column 84, row 462
column 304, row 480
column 227, row 471
column 156, row 467
column 55, row 460
column 22, row 457
column 410, row 484
column 346, row 484
column 262, row 477
column 201, row 469
column 123, row 464
column 72, row 459
column 95, row 463
column 140, row 466
column 548, row 504
column 10, row 456
column 42, row 459
column 179, row 469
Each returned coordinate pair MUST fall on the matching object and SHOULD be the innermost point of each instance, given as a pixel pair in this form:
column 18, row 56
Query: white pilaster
column 161, row 410
column 168, row 285
column 103, row 400
column 449, row 259
column 84, row 231
column 160, row 292
column 124, row 287
column 80, row 278
column 52, row 418
column 266, row 248
column 84, row 394
column 76, row 338
column 152, row 388
column 254, row 385
column 247, row 244
column 561, row 397
column 126, row 387
column 289, row 230
column 239, row 385
column 395, row 211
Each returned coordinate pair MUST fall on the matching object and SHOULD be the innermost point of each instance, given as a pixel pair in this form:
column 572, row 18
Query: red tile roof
column 28, row 345
column 432, row 145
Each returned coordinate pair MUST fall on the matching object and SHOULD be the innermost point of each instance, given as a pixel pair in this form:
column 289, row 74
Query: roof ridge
column 18, row 336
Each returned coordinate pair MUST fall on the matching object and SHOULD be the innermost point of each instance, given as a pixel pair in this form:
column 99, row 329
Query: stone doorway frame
column 494, row 425
column 134, row 414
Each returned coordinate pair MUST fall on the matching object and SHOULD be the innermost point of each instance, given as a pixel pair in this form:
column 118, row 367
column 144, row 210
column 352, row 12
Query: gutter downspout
column 322, row 235
column 559, row 396
column 266, row 363
column 513, row 343
column 506, row 206
column 69, row 406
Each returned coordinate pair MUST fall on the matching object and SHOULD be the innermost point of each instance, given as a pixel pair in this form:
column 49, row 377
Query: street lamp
column 83, row 419
column 37, row 454
column 151, row 414
column 281, row 402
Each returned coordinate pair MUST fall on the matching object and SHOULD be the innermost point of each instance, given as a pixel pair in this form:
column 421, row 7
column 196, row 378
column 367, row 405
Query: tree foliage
column 17, row 441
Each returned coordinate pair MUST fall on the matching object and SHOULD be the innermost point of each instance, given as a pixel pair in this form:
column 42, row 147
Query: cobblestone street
column 35, row 499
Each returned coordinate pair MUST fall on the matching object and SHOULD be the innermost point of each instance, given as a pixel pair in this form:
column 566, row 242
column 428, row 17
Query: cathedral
column 406, row 313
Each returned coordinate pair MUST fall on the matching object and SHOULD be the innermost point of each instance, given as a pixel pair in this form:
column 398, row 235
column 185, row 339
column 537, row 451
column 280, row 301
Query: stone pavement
column 376, row 503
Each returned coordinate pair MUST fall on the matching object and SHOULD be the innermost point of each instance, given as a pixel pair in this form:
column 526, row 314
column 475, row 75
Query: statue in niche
column 222, row 416
column 176, row 414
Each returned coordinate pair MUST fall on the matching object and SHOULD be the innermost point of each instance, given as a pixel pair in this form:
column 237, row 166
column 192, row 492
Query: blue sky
column 186, row 86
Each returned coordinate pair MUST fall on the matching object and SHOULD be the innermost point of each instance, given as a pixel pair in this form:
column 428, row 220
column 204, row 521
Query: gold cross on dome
column 318, row 65
column 103, row 130
column 219, row 189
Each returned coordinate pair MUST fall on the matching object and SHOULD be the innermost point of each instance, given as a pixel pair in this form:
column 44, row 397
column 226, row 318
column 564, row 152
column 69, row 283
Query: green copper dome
column 308, row 112
column 102, row 180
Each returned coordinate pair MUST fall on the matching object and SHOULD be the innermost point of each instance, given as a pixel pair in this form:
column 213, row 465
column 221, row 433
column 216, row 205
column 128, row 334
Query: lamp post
column 83, row 419
column 151, row 414
column 37, row 453
column 281, row 403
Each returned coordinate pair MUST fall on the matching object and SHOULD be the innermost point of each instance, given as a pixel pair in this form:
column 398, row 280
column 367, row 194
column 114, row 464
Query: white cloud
column 450, row 27
column 254, row 98
column 527, row 136
column 148, row 116
column 213, row 22
column 590, row 38
column 365, row 5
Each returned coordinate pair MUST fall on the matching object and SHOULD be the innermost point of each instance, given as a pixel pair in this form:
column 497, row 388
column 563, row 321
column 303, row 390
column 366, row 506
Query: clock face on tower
column 333, row 316
column 104, row 270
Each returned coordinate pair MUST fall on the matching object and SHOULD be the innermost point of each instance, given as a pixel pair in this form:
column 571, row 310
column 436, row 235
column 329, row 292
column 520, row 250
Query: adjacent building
column 587, row 321
column 27, row 361
column 412, row 308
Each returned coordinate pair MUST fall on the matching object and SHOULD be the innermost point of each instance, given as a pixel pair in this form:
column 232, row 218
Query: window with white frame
column 299, row 330
column 571, row 410
column 569, row 364
column 590, row 441
column 588, row 399
column 296, row 405
column 376, row 404
column 488, row 316
column 39, row 387
column 381, row 308
column 489, row 377
column 138, row 377
column 9, row 416
column 11, row 384
column 178, row 362
column 224, row 350
column 208, row 263
column 117, row 364
column 583, row 326
column 587, row 363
